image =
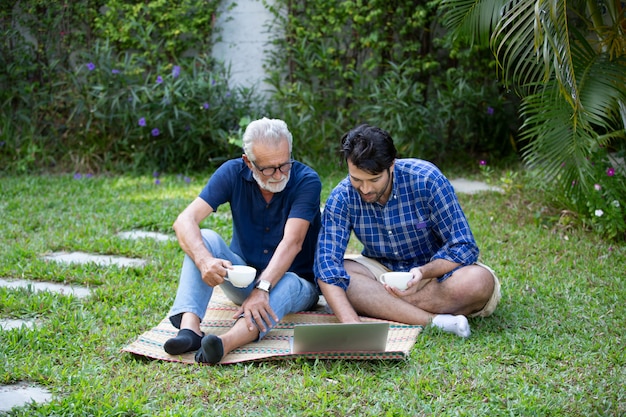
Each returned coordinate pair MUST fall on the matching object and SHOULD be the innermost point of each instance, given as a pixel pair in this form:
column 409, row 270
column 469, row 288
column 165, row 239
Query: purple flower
column 483, row 162
column 155, row 132
column 91, row 66
column 142, row 121
column 157, row 181
column 610, row 172
column 187, row 180
column 115, row 71
column 155, row 174
column 490, row 111
column 206, row 106
column 78, row 176
column 159, row 79
column 175, row 71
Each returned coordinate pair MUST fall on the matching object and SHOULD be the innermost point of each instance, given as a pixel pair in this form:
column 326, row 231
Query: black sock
column 212, row 350
column 185, row 341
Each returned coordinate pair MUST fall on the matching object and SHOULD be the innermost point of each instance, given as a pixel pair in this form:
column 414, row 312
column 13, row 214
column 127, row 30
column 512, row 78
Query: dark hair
column 369, row 148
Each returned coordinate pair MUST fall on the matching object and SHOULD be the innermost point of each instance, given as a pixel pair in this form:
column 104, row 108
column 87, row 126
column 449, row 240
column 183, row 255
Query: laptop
column 340, row 337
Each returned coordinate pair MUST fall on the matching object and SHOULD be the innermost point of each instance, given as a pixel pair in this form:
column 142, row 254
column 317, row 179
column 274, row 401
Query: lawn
column 555, row 346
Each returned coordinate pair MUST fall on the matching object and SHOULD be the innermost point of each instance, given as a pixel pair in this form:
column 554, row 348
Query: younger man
column 408, row 218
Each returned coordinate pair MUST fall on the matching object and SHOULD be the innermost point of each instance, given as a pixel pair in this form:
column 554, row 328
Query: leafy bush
column 75, row 101
column 158, row 30
column 602, row 204
column 386, row 64
column 178, row 116
column 459, row 116
column 597, row 204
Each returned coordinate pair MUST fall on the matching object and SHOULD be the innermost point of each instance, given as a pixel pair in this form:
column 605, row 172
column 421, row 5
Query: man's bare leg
column 370, row 298
column 465, row 292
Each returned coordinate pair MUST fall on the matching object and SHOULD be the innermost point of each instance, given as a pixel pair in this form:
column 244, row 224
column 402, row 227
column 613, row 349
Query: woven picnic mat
column 275, row 345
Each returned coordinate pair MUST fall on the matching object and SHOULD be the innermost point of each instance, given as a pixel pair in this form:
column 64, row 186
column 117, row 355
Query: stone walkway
column 20, row 394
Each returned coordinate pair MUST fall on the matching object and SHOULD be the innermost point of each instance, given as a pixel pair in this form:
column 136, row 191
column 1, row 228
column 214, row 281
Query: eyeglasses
column 269, row 171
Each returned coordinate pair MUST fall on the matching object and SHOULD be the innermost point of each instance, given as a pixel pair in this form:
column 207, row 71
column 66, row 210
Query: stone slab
column 10, row 324
column 465, row 186
column 84, row 258
column 139, row 234
column 75, row 290
column 18, row 395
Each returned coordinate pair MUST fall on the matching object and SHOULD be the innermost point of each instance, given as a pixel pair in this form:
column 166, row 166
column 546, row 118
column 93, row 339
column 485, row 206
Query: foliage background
column 118, row 85
column 114, row 85
column 388, row 63
column 77, row 78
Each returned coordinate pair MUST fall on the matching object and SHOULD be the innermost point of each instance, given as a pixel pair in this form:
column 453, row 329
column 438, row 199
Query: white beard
column 271, row 184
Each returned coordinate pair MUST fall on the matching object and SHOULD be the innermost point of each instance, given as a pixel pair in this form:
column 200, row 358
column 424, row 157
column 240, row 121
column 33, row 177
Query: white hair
column 266, row 131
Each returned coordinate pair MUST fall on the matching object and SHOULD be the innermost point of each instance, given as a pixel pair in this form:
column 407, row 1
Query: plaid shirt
column 421, row 222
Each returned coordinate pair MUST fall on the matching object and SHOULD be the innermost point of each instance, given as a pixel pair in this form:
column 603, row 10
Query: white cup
column 398, row 280
column 241, row 275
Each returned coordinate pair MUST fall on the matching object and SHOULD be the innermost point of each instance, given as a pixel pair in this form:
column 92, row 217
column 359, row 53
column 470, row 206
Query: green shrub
column 602, row 204
column 175, row 117
column 387, row 64
column 597, row 204
column 158, row 30
column 74, row 102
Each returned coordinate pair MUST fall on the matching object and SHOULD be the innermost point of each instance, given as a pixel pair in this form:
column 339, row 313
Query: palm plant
column 567, row 60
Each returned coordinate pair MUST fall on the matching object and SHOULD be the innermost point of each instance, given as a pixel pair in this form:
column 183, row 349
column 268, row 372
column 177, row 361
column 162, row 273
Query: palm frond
column 531, row 43
column 555, row 143
column 471, row 19
column 602, row 83
column 560, row 139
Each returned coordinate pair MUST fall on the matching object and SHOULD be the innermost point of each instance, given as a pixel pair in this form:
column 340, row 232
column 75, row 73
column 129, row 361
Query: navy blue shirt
column 258, row 226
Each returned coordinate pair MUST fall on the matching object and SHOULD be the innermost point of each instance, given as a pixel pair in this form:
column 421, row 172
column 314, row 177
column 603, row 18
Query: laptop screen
column 340, row 337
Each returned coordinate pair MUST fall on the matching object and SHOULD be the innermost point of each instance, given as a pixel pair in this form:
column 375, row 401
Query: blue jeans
column 291, row 295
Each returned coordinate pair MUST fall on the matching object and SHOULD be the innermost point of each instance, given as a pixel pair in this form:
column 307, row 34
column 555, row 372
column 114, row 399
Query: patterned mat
column 275, row 345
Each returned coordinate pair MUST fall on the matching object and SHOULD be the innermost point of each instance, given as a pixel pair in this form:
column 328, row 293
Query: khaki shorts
column 377, row 269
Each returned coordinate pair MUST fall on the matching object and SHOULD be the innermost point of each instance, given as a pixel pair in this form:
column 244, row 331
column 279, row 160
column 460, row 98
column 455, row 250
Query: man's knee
column 478, row 278
column 484, row 289
column 212, row 240
column 487, row 280
column 471, row 286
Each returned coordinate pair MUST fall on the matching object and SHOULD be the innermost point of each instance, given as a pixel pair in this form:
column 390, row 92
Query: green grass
column 555, row 346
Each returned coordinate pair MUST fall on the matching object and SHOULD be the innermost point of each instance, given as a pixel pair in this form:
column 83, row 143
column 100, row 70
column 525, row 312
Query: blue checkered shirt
column 421, row 222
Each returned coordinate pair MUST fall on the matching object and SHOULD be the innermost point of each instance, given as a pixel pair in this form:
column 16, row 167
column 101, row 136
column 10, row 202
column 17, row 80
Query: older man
column 274, row 202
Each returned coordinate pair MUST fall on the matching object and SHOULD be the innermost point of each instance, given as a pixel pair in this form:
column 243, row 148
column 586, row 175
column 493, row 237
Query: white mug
column 241, row 275
column 398, row 280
